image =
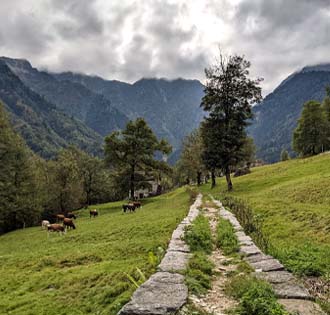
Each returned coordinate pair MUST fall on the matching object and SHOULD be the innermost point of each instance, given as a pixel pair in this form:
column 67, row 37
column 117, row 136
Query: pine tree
column 309, row 138
column 20, row 205
column 229, row 94
column 130, row 154
column 326, row 111
column 285, row 155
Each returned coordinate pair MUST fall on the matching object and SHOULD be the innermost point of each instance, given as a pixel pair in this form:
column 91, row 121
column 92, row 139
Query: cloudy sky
column 127, row 39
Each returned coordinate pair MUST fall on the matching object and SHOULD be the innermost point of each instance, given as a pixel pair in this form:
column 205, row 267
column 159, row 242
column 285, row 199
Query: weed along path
column 216, row 301
column 289, row 291
column 166, row 292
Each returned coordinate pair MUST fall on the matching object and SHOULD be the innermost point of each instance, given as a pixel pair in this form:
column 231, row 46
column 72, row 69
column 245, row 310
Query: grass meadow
column 291, row 199
column 93, row 269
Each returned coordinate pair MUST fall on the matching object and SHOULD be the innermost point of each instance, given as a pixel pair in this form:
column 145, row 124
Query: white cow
column 44, row 224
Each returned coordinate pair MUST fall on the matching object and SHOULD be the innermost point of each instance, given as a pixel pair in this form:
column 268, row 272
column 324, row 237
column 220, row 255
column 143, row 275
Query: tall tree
column 309, row 138
column 19, row 202
column 285, row 155
column 326, row 110
column 191, row 163
column 131, row 155
column 229, row 95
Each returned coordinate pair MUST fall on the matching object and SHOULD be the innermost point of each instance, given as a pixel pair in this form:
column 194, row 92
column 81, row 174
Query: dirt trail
column 215, row 301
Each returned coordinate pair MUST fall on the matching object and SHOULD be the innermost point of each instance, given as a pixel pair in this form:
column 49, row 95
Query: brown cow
column 71, row 215
column 129, row 206
column 68, row 223
column 93, row 213
column 55, row 228
column 137, row 204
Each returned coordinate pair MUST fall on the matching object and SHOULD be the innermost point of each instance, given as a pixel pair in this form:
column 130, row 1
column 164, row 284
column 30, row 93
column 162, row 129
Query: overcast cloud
column 127, row 39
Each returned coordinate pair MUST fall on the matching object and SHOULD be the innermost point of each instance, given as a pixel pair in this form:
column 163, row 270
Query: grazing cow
column 129, row 207
column 55, row 228
column 137, row 204
column 68, row 223
column 44, row 224
column 60, row 217
column 93, row 213
column 70, row 215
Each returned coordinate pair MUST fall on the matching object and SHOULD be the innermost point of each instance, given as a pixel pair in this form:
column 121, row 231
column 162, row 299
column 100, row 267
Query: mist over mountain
column 45, row 128
column 276, row 117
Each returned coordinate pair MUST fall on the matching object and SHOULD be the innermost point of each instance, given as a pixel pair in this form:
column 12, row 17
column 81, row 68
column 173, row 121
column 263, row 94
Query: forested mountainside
column 44, row 128
column 170, row 107
column 276, row 117
column 73, row 98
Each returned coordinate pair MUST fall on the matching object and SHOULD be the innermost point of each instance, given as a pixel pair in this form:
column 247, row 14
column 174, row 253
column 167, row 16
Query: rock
column 275, row 276
column 178, row 245
column 288, row 290
column 242, row 171
column 267, row 265
column 249, row 250
column 174, row 261
column 164, row 293
column 301, row 307
column 257, row 258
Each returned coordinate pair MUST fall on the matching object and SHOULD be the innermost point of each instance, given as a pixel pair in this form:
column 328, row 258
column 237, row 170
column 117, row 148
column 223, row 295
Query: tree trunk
column 132, row 183
column 199, row 178
column 228, row 179
column 213, row 179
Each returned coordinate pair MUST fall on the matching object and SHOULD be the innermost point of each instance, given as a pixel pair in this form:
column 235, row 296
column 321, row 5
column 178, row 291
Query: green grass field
column 293, row 200
column 85, row 271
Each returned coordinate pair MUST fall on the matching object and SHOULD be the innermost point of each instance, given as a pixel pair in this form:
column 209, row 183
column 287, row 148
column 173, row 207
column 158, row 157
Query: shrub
column 198, row 235
column 226, row 238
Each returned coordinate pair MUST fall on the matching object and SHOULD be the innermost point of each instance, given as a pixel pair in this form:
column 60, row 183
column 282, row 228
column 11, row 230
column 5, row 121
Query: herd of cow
column 65, row 222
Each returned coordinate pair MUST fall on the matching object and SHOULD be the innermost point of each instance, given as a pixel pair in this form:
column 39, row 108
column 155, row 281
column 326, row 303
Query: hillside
column 171, row 108
column 44, row 128
column 86, row 271
column 276, row 117
column 73, row 98
column 292, row 199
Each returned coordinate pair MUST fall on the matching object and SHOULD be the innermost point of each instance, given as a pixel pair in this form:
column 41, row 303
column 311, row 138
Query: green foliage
column 309, row 138
column 198, row 273
column 229, row 94
column 130, row 155
column 198, row 235
column 255, row 297
column 20, row 205
column 285, row 155
column 86, row 269
column 226, row 238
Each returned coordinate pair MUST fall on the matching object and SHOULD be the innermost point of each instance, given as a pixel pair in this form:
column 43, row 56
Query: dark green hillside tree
column 20, row 204
column 326, row 111
column 130, row 155
column 191, row 165
column 285, row 155
column 309, row 138
column 229, row 95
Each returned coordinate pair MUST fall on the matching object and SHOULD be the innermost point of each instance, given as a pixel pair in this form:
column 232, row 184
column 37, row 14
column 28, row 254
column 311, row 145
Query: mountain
column 45, row 128
column 73, row 98
column 170, row 107
column 276, row 117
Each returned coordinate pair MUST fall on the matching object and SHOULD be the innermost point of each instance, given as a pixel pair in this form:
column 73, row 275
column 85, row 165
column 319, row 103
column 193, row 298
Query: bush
column 256, row 297
column 198, row 235
column 198, row 274
column 226, row 238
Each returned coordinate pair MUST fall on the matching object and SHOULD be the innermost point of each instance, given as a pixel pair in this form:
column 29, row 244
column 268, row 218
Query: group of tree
column 32, row 188
column 312, row 135
column 221, row 143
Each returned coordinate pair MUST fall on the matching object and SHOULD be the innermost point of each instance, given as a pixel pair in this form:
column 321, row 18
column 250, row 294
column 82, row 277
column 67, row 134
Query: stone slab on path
column 178, row 246
column 275, row 276
column 164, row 293
column 249, row 250
column 301, row 307
column 258, row 258
column 267, row 265
column 288, row 290
column 174, row 261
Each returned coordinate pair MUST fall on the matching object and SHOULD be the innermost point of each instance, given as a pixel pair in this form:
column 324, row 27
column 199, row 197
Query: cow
column 60, row 217
column 137, row 204
column 93, row 213
column 56, row 228
column 44, row 224
column 71, row 215
column 129, row 207
column 68, row 223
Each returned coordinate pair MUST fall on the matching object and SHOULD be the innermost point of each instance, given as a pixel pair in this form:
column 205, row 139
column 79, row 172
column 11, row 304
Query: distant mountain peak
column 21, row 64
column 318, row 67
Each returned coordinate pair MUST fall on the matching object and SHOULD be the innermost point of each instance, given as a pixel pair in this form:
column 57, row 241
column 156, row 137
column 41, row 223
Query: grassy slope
column 84, row 271
column 293, row 198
